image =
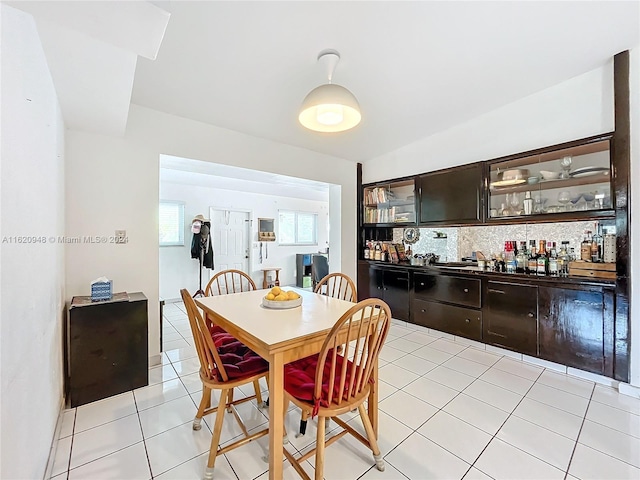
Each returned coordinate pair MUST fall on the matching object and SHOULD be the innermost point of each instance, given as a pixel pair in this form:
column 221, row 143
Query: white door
column 231, row 236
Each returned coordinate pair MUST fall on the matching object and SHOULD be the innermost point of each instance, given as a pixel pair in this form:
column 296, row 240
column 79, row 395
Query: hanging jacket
column 202, row 241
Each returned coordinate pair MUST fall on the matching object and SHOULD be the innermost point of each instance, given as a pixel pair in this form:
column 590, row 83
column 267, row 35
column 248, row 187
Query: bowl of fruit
column 280, row 299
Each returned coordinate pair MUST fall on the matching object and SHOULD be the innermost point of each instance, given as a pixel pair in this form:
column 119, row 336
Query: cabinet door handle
column 467, row 320
column 530, row 315
column 466, row 290
column 422, row 284
column 493, row 290
column 384, row 288
column 423, row 310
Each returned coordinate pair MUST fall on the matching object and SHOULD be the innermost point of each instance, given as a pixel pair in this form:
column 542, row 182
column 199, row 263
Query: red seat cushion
column 238, row 359
column 300, row 379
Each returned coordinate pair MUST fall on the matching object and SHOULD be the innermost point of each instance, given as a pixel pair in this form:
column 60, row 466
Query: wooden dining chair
column 229, row 281
column 329, row 384
column 337, row 285
column 225, row 364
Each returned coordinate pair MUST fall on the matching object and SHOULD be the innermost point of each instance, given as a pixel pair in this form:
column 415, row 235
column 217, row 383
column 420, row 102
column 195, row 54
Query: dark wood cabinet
column 572, row 328
column 451, row 196
column 510, row 316
column 106, row 348
column 451, row 289
column 460, row 321
column 448, row 303
column 392, row 286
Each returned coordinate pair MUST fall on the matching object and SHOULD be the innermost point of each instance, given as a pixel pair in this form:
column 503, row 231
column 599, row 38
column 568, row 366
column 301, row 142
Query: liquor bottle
column 521, row 258
column 509, row 257
column 542, row 262
column 563, row 259
column 377, row 253
column 585, row 247
column 553, row 261
column 596, row 245
column 532, row 264
column 366, row 251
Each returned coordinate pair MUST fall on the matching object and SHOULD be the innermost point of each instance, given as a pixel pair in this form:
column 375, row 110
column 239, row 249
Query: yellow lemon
column 270, row 296
column 281, row 298
column 292, row 295
column 275, row 290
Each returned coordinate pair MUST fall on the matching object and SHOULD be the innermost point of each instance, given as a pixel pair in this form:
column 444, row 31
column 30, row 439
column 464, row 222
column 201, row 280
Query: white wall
column 577, row 108
column 32, row 276
column 177, row 268
column 113, row 183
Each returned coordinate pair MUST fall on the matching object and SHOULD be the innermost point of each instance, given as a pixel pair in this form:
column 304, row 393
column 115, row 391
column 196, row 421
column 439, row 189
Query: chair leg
column 371, row 436
column 303, row 423
column 320, row 450
column 205, row 402
column 217, row 431
column 256, row 387
column 230, row 401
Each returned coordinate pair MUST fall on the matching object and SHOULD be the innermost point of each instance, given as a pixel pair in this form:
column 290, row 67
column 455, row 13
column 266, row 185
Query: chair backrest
column 337, row 285
column 210, row 364
column 320, row 267
column 229, row 281
column 366, row 324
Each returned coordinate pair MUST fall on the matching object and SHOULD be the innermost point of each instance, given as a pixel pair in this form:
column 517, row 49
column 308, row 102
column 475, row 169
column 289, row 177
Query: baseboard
column 630, row 390
column 155, row 360
column 54, row 442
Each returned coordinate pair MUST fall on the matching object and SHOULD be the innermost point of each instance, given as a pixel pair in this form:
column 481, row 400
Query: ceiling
column 417, row 68
column 191, row 172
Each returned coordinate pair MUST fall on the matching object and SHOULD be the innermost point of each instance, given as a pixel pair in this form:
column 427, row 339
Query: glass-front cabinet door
column 564, row 181
column 392, row 202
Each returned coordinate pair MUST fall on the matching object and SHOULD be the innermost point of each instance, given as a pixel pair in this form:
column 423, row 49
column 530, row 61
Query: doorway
column 231, row 239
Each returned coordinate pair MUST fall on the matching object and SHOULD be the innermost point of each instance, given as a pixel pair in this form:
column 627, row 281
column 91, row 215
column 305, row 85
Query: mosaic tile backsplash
column 489, row 239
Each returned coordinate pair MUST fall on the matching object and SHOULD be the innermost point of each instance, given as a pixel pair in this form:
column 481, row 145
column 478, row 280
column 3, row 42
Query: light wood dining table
column 280, row 337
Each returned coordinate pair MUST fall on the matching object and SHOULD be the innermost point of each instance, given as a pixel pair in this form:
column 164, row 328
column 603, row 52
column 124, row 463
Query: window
column 171, row 223
column 297, row 228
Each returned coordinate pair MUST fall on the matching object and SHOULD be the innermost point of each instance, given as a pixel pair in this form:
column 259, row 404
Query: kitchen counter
column 496, row 276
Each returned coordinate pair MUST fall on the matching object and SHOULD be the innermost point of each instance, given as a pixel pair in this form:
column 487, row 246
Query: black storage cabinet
column 107, row 350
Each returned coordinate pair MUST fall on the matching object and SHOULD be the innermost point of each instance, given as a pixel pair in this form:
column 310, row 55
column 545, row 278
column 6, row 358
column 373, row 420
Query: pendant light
column 329, row 107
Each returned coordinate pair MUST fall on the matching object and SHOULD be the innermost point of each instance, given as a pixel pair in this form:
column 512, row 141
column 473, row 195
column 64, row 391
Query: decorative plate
column 411, row 235
column 281, row 305
column 586, row 171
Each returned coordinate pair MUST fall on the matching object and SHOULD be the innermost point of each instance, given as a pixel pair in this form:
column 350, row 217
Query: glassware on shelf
column 564, row 198
column 565, row 163
column 513, row 201
column 539, row 204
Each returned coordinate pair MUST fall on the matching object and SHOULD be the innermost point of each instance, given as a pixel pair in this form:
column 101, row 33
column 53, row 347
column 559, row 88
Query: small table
column 265, row 272
column 300, row 332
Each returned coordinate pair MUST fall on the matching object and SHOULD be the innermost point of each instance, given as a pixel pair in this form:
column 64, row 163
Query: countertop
column 470, row 270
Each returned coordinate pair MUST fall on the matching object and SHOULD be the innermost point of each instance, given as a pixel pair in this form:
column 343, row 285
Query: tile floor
column 448, row 410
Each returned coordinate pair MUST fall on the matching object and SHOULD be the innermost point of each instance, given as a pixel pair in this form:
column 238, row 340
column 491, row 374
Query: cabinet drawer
column 444, row 288
column 460, row 321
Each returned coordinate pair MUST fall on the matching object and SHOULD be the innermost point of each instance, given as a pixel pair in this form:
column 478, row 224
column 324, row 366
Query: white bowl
column 547, row 175
column 281, row 305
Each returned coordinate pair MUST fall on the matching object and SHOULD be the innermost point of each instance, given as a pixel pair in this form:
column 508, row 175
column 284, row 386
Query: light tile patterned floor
column 448, row 409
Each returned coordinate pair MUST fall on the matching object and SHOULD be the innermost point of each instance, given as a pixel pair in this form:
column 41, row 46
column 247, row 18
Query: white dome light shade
column 330, row 108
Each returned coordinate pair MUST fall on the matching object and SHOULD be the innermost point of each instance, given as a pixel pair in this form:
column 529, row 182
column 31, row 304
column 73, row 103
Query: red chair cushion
column 300, row 379
column 238, row 359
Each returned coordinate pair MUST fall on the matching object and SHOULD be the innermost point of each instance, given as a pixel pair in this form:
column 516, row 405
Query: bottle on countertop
column 542, row 262
column 521, row 258
column 532, row 264
column 563, row 259
column 377, row 253
column 553, row 261
column 366, row 250
column 585, row 247
column 596, row 245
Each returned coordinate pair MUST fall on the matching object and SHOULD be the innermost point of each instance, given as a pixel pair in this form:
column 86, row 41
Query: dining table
column 281, row 336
